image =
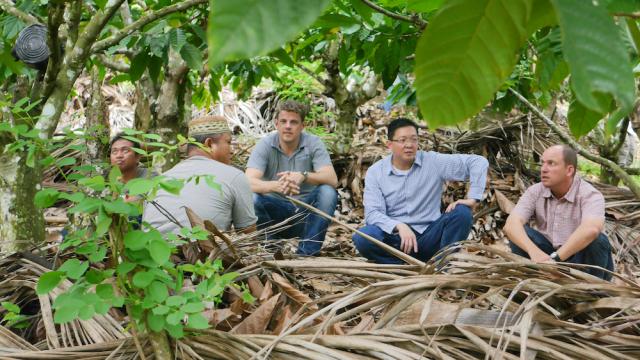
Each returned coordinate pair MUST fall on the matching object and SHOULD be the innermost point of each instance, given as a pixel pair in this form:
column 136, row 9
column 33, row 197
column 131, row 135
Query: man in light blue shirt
column 402, row 198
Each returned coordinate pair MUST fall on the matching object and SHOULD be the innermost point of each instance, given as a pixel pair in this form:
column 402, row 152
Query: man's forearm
column 260, row 186
column 516, row 233
column 578, row 240
column 322, row 178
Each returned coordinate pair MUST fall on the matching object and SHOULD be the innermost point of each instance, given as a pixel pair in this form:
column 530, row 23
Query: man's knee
column 516, row 250
column 258, row 199
column 462, row 214
column 326, row 198
column 599, row 245
column 371, row 230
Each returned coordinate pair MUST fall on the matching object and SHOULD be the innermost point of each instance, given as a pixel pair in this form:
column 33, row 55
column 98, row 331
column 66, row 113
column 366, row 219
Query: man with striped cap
column 213, row 189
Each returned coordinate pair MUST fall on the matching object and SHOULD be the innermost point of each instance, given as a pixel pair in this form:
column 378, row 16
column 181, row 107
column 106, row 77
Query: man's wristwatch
column 554, row 256
column 306, row 175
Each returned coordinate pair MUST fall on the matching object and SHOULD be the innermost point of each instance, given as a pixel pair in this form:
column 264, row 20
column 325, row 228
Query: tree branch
column 72, row 66
column 125, row 12
column 617, row 169
column 113, row 64
column 54, row 20
column 75, row 11
column 414, row 19
column 144, row 20
column 632, row 171
column 633, row 15
column 315, row 76
column 12, row 10
column 621, row 137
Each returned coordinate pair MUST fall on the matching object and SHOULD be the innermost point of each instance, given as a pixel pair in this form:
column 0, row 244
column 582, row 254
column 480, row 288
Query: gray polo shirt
column 233, row 204
column 310, row 156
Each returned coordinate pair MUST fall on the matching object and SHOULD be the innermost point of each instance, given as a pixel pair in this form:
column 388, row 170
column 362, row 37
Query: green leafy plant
column 139, row 273
column 12, row 317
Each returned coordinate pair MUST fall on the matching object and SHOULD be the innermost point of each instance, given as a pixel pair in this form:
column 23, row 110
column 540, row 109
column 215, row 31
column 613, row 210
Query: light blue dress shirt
column 414, row 199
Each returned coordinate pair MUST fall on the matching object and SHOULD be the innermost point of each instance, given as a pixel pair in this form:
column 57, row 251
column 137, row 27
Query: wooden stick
column 391, row 250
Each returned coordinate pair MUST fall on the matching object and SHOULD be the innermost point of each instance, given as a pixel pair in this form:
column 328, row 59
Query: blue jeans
column 450, row 228
column 597, row 253
column 272, row 209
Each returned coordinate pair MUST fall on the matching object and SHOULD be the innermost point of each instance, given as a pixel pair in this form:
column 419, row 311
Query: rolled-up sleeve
column 592, row 205
column 459, row 167
column 526, row 206
column 375, row 208
column 320, row 155
column 259, row 157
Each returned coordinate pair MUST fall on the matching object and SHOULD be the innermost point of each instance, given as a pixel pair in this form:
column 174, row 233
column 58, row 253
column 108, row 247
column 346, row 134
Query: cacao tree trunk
column 97, row 123
column 21, row 223
column 347, row 102
column 165, row 114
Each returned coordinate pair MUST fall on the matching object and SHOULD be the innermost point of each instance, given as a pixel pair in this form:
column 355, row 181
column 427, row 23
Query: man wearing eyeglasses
column 402, row 197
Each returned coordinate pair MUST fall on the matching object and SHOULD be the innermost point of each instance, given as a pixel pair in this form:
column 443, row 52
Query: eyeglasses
column 408, row 141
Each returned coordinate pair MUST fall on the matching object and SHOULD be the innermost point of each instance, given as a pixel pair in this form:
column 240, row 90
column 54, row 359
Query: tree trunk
column 22, row 223
column 345, row 124
column 145, row 93
column 347, row 99
column 169, row 116
column 165, row 113
column 97, row 124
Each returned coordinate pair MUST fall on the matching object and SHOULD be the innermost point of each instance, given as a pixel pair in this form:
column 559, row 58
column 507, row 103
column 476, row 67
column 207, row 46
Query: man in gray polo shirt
column 293, row 162
column 229, row 204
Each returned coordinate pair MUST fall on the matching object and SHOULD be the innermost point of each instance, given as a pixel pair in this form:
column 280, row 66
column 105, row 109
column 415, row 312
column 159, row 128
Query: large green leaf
column 245, row 28
column 46, row 198
column 581, row 119
column 423, row 5
column 74, row 268
column 138, row 65
column 160, row 251
column 465, row 55
column 192, row 56
column 48, row 281
column 599, row 63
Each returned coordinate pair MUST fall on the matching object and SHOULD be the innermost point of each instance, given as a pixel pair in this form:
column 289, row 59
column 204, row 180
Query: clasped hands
column 289, row 182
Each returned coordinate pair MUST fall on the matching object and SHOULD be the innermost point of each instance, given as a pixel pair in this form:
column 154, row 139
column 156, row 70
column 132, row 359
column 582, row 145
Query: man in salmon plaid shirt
column 568, row 214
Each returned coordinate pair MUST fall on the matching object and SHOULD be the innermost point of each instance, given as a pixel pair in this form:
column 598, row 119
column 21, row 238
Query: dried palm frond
column 481, row 302
column 123, row 349
column 19, row 277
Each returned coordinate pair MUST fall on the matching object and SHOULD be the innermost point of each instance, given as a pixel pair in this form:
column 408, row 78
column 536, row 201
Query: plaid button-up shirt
column 556, row 218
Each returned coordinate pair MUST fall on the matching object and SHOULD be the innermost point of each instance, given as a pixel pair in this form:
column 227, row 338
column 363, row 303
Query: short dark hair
column 201, row 138
column 570, row 156
column 399, row 123
column 122, row 136
column 293, row 106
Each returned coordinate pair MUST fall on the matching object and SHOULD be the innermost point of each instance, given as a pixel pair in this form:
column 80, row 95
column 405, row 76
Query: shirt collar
column 570, row 196
column 388, row 165
column 275, row 143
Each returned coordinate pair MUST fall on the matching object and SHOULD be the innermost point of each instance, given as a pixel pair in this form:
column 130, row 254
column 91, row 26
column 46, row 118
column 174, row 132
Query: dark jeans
column 450, row 228
column 597, row 253
column 272, row 209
